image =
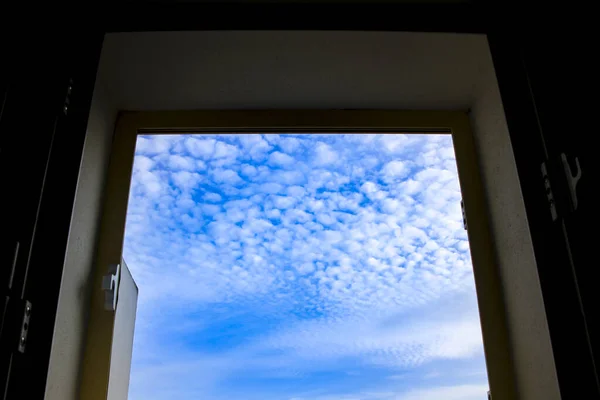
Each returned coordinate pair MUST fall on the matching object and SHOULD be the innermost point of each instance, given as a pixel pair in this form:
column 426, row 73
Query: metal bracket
column 24, row 327
column 572, row 180
column 549, row 193
column 110, row 286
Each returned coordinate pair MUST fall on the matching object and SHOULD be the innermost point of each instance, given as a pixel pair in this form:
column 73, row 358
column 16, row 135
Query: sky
column 301, row 267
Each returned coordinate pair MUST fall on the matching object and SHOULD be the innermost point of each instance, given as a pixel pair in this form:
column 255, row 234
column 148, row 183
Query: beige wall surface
column 73, row 303
column 532, row 352
column 291, row 69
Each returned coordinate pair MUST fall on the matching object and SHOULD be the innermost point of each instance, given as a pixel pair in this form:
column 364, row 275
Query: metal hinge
column 549, row 193
column 489, row 395
column 569, row 183
column 110, row 286
column 68, row 97
column 24, row 327
column 464, row 214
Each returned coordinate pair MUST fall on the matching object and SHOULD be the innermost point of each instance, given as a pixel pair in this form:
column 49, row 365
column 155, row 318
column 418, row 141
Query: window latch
column 110, row 286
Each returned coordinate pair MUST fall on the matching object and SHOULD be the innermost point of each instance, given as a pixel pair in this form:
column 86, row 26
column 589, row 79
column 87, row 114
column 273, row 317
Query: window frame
column 96, row 364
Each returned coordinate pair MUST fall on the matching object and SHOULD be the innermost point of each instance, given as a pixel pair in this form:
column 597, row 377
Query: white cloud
column 390, row 206
column 293, row 177
column 295, row 191
column 270, row 187
column 280, row 159
column 178, row 162
column 212, row 197
column 289, row 144
column 369, row 187
column 185, row 180
column 243, row 204
column 283, row 202
column 321, row 178
column 305, row 268
column 330, row 236
column 255, row 145
column 202, row 148
column 153, row 145
column 394, row 169
column 143, row 163
column 224, row 150
column 210, row 209
column 324, row 154
column 434, row 175
column 273, row 213
column 410, row 187
column 226, row 176
column 248, row 170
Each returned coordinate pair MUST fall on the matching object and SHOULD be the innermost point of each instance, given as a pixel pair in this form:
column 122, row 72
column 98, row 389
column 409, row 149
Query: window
column 321, row 262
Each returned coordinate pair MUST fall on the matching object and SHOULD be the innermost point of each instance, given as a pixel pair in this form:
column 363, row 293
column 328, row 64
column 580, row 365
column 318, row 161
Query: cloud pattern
column 330, row 267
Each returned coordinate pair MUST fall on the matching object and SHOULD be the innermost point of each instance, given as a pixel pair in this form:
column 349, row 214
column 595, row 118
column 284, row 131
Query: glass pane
column 317, row 267
column 122, row 340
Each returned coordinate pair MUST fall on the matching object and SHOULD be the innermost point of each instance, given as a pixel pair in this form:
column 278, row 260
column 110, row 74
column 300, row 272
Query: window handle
column 110, row 286
column 572, row 179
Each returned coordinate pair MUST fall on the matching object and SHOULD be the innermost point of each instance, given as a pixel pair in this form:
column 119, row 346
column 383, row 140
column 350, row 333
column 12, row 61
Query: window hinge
column 549, row 193
column 489, row 395
column 68, row 97
column 110, row 286
column 464, row 214
column 24, row 327
column 561, row 194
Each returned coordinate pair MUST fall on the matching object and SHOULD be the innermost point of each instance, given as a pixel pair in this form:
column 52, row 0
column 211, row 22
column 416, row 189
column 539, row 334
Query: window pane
column 328, row 267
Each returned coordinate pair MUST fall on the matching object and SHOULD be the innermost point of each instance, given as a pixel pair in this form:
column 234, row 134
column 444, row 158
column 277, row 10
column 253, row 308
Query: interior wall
column 73, row 303
column 532, row 352
column 291, row 69
column 187, row 70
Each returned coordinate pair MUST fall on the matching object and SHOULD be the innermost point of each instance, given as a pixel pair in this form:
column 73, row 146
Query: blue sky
column 301, row 267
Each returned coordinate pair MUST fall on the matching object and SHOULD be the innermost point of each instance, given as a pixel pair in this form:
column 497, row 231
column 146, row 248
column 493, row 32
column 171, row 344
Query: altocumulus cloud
column 301, row 267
